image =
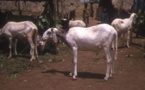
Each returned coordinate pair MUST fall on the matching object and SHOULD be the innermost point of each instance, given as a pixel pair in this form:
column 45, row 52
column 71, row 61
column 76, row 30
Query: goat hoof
column 106, row 78
column 111, row 76
column 9, row 57
column 70, row 74
column 74, row 77
column 32, row 59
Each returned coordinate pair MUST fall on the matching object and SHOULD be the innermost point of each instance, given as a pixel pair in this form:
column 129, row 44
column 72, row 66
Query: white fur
column 124, row 26
column 18, row 30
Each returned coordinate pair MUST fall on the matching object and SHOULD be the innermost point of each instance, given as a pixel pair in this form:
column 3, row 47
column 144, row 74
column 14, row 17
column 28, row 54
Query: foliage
column 43, row 21
column 12, row 67
column 47, row 18
column 139, row 27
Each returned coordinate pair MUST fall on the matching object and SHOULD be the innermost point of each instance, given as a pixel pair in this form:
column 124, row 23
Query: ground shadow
column 131, row 44
column 80, row 74
column 138, row 46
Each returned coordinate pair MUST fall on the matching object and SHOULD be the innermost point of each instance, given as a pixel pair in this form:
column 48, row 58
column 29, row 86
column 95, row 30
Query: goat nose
column 41, row 43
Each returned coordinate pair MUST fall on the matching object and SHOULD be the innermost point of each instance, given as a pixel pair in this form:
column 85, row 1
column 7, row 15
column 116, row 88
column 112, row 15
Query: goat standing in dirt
column 124, row 26
column 91, row 39
column 18, row 30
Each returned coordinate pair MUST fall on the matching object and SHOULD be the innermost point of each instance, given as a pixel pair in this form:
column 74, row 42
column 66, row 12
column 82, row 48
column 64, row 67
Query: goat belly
column 94, row 49
column 83, row 46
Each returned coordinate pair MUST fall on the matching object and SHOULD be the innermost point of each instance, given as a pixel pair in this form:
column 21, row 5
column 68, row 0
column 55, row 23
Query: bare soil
column 129, row 72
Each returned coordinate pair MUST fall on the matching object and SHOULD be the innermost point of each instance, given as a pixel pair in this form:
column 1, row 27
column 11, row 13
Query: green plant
column 139, row 27
column 49, row 17
column 12, row 75
column 43, row 21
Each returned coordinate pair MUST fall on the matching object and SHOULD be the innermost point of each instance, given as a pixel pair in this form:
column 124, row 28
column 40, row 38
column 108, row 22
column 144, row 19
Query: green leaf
column 43, row 20
column 40, row 16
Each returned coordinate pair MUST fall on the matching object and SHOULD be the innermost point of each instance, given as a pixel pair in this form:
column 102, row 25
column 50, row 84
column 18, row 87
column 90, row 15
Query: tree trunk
column 120, row 8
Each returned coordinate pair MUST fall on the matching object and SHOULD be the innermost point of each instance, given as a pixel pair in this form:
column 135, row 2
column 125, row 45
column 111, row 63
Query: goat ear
column 52, row 30
column 129, row 13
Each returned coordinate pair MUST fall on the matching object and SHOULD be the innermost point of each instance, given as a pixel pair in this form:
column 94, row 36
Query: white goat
column 76, row 23
column 66, row 24
column 92, row 38
column 19, row 30
column 124, row 26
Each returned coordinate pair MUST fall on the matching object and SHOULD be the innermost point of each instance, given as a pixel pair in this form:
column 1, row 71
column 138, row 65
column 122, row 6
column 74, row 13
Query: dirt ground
column 129, row 72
